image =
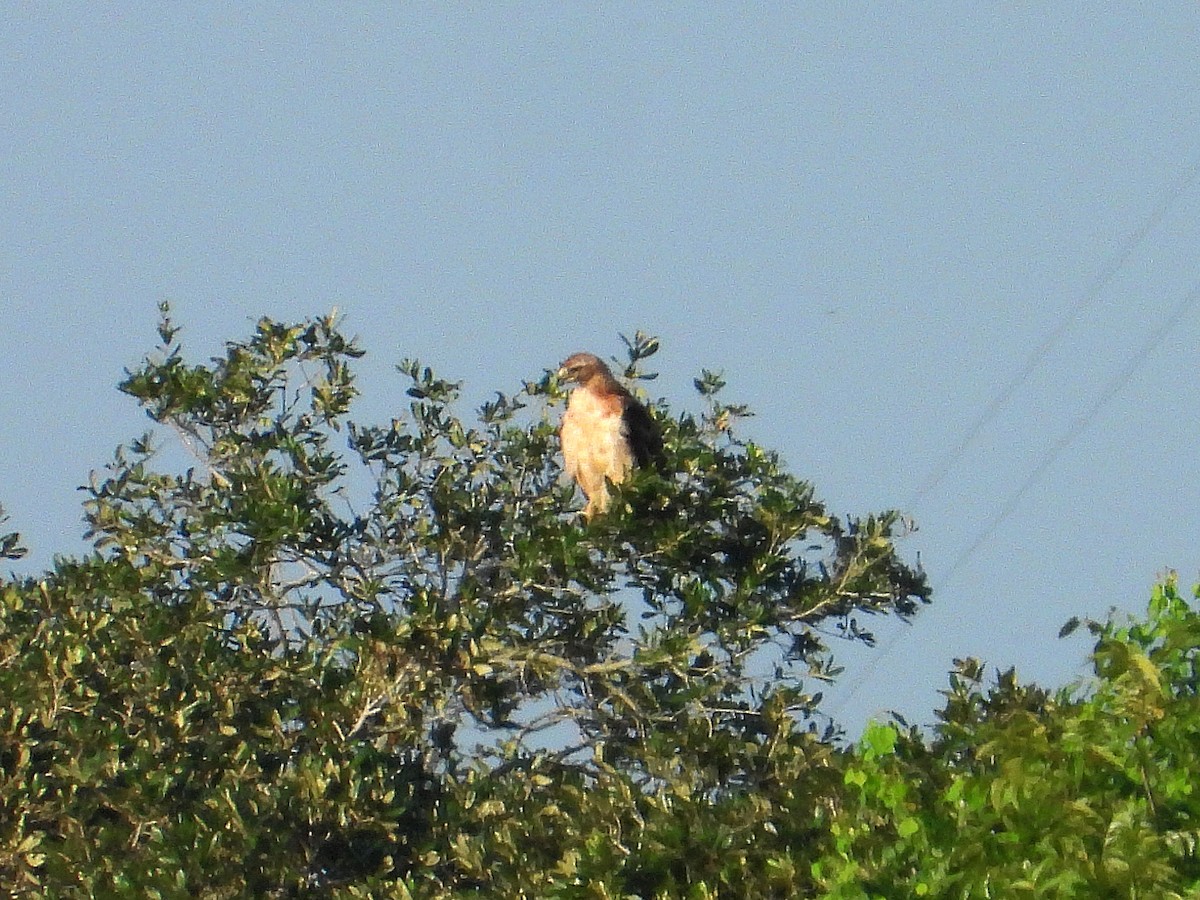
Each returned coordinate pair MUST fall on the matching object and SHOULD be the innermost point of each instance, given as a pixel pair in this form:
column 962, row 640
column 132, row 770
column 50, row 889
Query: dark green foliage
column 10, row 544
column 335, row 659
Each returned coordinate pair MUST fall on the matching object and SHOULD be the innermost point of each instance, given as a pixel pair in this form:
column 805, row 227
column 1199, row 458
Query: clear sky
column 868, row 215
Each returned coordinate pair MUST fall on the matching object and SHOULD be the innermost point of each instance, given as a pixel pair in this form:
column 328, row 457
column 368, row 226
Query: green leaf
column 1069, row 627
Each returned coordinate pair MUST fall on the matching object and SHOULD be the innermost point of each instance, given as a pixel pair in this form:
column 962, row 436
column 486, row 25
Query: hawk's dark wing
column 644, row 435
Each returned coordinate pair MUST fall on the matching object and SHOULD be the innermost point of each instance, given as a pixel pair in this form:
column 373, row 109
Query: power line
column 1078, row 427
column 1087, row 298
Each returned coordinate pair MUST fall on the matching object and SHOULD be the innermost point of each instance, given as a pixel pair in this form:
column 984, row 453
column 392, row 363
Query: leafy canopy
column 331, row 658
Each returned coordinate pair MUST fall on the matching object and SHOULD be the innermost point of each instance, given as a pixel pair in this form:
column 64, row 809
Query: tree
column 409, row 668
column 1024, row 793
column 329, row 659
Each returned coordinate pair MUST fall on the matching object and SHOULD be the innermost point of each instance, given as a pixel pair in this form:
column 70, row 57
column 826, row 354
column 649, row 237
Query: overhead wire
column 1086, row 299
column 1078, row 427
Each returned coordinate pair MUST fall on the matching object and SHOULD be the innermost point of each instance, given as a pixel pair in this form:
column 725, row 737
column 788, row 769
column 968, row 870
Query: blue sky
column 867, row 215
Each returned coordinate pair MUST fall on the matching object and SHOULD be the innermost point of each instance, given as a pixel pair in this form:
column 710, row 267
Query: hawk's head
column 582, row 368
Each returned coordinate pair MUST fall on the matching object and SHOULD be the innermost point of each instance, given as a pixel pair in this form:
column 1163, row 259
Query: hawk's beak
column 561, row 374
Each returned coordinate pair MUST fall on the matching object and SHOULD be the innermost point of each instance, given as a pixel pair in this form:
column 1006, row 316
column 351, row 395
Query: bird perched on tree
column 605, row 432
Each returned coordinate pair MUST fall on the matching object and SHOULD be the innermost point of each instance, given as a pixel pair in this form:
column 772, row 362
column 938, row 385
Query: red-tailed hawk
column 605, row 432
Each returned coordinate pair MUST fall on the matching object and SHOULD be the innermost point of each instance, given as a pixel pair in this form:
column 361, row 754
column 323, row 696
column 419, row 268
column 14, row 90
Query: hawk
column 605, row 432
